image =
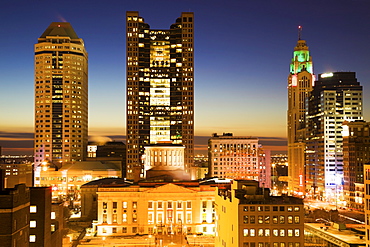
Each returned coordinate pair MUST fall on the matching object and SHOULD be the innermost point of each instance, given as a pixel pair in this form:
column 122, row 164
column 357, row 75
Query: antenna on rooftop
column 299, row 32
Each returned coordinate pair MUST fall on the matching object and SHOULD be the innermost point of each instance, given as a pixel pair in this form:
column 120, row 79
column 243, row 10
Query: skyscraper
column 61, row 103
column 336, row 97
column 160, row 90
column 300, row 82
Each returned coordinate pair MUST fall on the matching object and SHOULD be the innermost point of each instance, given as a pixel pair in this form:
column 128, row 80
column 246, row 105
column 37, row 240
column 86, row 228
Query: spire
column 299, row 32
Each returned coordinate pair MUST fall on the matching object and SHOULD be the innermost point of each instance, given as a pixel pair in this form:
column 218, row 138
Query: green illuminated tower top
column 301, row 60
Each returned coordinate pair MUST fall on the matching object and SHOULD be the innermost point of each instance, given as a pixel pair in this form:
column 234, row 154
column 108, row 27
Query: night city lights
column 185, row 123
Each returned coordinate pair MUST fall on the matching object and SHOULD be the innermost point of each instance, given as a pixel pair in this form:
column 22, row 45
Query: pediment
column 170, row 188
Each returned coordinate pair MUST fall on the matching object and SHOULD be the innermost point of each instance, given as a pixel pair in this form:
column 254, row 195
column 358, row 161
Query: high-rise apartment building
column 336, row 97
column 160, row 99
column 356, row 153
column 61, row 100
column 238, row 157
column 300, row 82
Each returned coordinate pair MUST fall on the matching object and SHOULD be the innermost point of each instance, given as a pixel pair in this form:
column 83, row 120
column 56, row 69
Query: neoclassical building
column 156, row 206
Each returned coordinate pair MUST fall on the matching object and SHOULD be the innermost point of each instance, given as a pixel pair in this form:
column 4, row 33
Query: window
column 275, row 232
column 159, row 205
column 32, row 223
column 134, row 217
column 114, row 230
column 245, row 232
column 105, row 205
column 33, row 209
column 260, row 219
column 260, row 208
column 124, row 204
column 274, row 208
column 296, row 232
column 114, row 218
column 296, row 219
column 252, row 208
column 134, row 205
column 52, row 216
column 179, row 204
column 260, row 232
column 169, row 204
column 289, row 209
column 150, row 205
column 188, row 204
column 124, row 229
column 282, row 208
column 267, row 208
column 134, row 229
column 282, row 232
column 114, row 204
column 267, row 219
column 282, row 219
column 253, row 232
column 204, row 204
column 274, row 219
column 296, row 209
column 253, row 219
column 104, row 218
column 124, row 217
column 32, row 238
column 245, row 219
column 245, row 208
column 290, row 219
column 290, row 232
column 267, row 232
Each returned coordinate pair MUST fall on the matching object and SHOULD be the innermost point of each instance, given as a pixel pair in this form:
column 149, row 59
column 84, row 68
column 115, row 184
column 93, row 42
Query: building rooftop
column 63, row 29
column 92, row 165
column 346, row 237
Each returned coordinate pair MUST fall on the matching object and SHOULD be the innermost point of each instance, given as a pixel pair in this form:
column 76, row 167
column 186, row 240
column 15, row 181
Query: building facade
column 356, row 153
column 367, row 203
column 61, row 96
column 300, row 82
column 248, row 216
column 147, row 207
column 238, row 157
column 160, row 88
column 336, row 97
column 15, row 216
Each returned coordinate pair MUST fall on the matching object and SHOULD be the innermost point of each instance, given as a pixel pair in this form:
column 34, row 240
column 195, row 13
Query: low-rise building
column 156, row 206
column 247, row 216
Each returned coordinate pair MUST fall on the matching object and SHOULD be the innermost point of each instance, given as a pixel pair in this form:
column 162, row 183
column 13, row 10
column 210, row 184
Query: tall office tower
column 336, row 97
column 300, row 82
column 238, row 157
column 356, row 153
column 60, row 96
column 160, row 96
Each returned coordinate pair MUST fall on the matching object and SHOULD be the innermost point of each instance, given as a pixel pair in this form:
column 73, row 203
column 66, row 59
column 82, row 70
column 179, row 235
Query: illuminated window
column 296, row 219
column 253, row 232
column 274, row 219
column 245, row 219
column 290, row 219
column 134, row 204
column 267, row 219
column 296, row 209
column 32, row 238
column 114, row 218
column 275, row 232
column 245, row 232
column 260, row 232
column 267, row 232
column 104, row 218
column 124, row 217
column 253, row 219
column 290, row 232
column 52, row 215
column 33, row 209
column 105, row 205
column 33, row 223
column 290, row 209
column 282, row 232
column 124, row 204
column 296, row 232
column 53, row 228
column 282, row 219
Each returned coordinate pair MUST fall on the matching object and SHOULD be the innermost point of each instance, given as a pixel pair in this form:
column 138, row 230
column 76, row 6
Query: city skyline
column 241, row 60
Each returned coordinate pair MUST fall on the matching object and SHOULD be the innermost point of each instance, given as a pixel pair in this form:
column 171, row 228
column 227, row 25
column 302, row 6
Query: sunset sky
column 242, row 55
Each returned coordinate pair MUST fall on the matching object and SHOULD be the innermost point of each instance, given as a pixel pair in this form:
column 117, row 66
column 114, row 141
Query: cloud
column 16, row 136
